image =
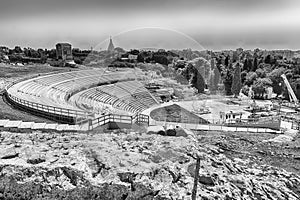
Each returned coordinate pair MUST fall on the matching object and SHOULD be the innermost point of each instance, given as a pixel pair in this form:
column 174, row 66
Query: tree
column 199, row 82
column 119, row 50
column 268, row 59
column 250, row 64
column 259, row 87
column 161, row 59
column 236, row 82
column 255, row 64
column 180, row 64
column 134, row 52
column 246, row 66
column 18, row 49
column 217, row 77
column 245, row 90
column 227, row 61
column 277, row 81
column 243, row 76
column 194, row 75
column 295, row 84
column 212, row 64
column 261, row 73
column 212, row 87
column 250, row 78
column 235, row 57
column 228, row 82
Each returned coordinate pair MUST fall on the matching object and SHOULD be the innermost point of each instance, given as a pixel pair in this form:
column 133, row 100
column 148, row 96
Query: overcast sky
column 214, row 24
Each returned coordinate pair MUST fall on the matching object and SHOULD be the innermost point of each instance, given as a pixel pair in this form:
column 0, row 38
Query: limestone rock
column 8, row 153
column 156, row 130
column 206, row 180
column 127, row 177
column 128, row 165
column 35, row 159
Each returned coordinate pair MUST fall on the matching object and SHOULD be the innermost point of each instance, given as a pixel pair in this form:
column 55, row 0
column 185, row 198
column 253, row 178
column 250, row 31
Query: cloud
column 15, row 8
column 215, row 23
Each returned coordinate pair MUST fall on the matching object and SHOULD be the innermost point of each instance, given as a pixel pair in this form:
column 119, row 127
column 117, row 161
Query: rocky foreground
column 129, row 165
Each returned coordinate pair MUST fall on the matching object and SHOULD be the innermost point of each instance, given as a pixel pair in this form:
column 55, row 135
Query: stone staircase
column 20, row 126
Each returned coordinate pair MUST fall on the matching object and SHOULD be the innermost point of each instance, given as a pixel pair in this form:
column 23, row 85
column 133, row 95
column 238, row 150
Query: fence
column 290, row 105
column 74, row 116
column 215, row 127
column 295, row 124
column 68, row 115
column 51, row 112
column 124, row 119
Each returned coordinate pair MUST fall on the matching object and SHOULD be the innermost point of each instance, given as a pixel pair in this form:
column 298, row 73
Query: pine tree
column 236, row 82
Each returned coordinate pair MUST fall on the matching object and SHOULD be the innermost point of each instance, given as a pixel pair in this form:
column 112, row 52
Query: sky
column 211, row 24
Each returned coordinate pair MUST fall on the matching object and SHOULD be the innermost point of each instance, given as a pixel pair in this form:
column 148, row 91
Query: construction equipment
column 292, row 95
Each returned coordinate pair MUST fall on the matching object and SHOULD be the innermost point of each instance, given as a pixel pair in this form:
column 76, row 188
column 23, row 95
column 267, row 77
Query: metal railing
column 76, row 116
column 47, row 108
column 215, row 127
column 289, row 105
column 126, row 119
column 295, row 123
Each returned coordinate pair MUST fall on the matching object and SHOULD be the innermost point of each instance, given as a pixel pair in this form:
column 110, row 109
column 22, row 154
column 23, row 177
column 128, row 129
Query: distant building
column 64, row 51
column 111, row 46
column 132, row 57
column 230, row 117
column 64, row 57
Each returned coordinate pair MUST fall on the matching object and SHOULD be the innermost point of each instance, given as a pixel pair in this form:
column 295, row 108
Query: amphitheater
column 84, row 99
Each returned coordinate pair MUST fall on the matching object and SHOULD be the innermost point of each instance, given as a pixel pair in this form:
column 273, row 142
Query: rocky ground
column 131, row 165
column 258, row 148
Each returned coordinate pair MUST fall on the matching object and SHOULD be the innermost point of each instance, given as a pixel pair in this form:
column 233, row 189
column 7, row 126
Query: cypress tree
column 217, row 77
column 236, row 82
column 198, row 82
column 245, row 66
column 255, row 64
